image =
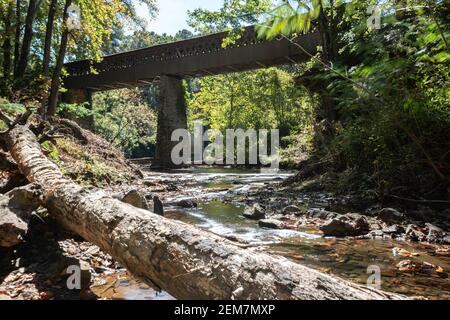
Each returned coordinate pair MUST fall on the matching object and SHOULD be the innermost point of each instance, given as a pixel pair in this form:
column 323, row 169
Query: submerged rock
column 270, row 223
column 390, row 216
column 255, row 212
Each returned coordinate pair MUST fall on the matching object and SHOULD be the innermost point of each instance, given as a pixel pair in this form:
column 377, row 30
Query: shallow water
column 215, row 191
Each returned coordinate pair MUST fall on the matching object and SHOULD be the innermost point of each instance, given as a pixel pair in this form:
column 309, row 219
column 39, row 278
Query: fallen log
column 187, row 262
column 16, row 208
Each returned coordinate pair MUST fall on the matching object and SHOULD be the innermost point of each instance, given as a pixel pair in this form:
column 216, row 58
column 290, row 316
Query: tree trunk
column 48, row 46
column 17, row 37
column 48, row 37
column 53, row 101
column 16, row 208
column 187, row 262
column 7, row 43
column 27, row 38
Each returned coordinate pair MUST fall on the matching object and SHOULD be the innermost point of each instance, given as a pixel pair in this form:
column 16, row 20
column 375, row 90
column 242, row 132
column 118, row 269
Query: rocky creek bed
column 334, row 234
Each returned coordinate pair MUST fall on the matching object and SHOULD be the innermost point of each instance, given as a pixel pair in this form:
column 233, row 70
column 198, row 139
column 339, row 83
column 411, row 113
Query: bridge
column 168, row 64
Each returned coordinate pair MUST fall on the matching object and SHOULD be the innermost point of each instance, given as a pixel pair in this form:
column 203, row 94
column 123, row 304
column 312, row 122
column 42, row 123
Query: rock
column 158, row 206
column 292, row 210
column 255, row 212
column 187, row 203
column 136, row 199
column 394, row 229
column 414, row 233
column 344, row 226
column 270, row 223
column 390, row 216
column 362, row 225
column 337, row 228
column 118, row 195
column 446, row 239
column 149, row 183
column 435, row 234
column 322, row 214
column 375, row 234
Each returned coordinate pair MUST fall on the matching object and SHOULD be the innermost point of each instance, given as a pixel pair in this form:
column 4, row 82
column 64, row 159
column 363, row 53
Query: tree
column 48, row 37
column 53, row 100
column 18, row 27
column 27, row 38
column 6, row 10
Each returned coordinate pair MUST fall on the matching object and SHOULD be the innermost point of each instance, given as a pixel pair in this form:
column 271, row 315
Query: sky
column 173, row 15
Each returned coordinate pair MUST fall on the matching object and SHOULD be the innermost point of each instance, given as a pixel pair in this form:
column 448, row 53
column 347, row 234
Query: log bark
column 16, row 208
column 187, row 262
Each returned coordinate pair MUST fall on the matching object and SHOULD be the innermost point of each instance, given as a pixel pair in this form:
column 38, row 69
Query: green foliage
column 53, row 153
column 124, row 118
column 287, row 19
column 262, row 99
column 85, row 167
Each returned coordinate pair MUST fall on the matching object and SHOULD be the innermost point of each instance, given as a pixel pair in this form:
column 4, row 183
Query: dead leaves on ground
column 418, row 266
column 404, row 253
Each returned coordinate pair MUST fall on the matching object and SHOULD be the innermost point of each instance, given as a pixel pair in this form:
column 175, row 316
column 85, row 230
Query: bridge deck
column 195, row 57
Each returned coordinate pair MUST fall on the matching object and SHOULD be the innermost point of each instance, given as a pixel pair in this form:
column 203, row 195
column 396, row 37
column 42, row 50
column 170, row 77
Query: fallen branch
column 187, row 262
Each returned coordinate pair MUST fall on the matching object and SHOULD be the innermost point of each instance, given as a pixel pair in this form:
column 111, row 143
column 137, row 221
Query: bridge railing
column 161, row 53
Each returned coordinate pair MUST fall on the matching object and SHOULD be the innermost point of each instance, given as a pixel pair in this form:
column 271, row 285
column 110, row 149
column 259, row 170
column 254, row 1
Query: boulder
column 186, row 203
column 343, row 226
column 390, row 216
column 270, row 223
column 337, row 228
column 158, row 206
column 446, row 239
column 375, row 234
column 394, row 229
column 149, row 183
column 255, row 212
column 136, row 199
column 414, row 233
column 322, row 214
column 292, row 210
column 435, row 234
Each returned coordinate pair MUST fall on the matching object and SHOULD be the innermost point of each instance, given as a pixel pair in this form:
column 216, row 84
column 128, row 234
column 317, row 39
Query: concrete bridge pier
column 172, row 115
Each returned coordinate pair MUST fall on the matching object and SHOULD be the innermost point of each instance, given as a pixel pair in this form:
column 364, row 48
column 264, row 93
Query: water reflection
column 346, row 258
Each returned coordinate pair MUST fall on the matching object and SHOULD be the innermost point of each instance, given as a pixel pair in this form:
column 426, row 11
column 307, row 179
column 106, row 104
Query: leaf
column 404, row 253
